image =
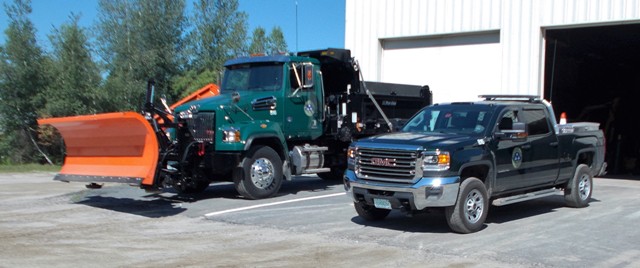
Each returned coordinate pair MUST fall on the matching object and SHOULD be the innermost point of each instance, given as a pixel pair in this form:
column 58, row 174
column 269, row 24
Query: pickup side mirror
column 517, row 133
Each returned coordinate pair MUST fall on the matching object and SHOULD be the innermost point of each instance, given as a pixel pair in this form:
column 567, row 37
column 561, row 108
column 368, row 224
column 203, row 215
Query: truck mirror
column 517, row 133
column 307, row 76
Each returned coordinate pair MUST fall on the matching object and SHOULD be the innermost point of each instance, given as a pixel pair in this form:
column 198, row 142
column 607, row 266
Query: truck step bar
column 524, row 197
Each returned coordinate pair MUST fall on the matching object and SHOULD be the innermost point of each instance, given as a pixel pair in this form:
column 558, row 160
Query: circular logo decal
column 309, row 108
column 516, row 157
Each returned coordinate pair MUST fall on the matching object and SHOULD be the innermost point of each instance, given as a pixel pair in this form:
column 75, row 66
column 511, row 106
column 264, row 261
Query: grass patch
column 28, row 168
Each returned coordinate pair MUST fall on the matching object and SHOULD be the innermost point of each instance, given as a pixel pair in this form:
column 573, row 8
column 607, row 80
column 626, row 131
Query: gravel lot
column 44, row 223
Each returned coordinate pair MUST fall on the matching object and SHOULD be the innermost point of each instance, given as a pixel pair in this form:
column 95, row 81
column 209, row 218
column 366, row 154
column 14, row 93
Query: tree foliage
column 23, row 77
column 258, row 41
column 219, row 33
column 276, row 42
column 269, row 45
column 135, row 40
column 140, row 40
column 76, row 76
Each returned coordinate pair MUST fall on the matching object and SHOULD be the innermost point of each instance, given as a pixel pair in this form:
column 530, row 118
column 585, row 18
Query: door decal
column 309, row 108
column 516, row 157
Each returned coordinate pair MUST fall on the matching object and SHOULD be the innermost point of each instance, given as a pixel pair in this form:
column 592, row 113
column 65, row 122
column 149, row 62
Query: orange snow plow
column 114, row 147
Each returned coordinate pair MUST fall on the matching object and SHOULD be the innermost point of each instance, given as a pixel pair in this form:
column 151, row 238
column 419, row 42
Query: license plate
column 381, row 203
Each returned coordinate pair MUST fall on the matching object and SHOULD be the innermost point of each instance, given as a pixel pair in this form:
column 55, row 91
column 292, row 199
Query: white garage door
column 457, row 68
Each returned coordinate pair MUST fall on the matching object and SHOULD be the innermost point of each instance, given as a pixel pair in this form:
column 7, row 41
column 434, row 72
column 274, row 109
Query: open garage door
column 593, row 74
column 456, row 67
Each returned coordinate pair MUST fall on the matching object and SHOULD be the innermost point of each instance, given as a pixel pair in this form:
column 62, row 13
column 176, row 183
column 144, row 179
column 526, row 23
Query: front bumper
column 427, row 192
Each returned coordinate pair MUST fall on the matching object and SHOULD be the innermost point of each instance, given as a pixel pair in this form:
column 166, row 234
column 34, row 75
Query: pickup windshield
column 453, row 118
column 256, row 77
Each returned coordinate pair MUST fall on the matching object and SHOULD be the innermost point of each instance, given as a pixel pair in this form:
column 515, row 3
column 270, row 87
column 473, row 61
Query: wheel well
column 274, row 143
column 478, row 171
column 585, row 158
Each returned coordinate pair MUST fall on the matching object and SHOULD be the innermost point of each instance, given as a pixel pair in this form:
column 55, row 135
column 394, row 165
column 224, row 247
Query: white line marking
column 270, row 204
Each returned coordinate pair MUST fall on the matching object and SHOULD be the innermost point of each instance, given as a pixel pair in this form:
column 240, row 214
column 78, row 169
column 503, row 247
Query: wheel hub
column 262, row 173
column 584, row 187
column 474, row 206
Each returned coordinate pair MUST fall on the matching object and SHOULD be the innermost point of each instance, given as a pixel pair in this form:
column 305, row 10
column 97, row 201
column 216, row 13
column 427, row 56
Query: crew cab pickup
column 461, row 157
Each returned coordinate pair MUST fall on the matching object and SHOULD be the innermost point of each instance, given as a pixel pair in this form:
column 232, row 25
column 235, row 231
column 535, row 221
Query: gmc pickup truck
column 461, row 157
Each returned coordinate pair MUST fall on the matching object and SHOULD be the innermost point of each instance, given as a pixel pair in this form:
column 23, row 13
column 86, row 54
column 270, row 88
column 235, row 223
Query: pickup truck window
column 537, row 123
column 462, row 119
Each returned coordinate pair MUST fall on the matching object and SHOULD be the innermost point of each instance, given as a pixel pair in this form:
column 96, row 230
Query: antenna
column 296, row 26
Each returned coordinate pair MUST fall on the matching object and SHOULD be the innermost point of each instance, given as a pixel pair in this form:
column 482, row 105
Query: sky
column 320, row 24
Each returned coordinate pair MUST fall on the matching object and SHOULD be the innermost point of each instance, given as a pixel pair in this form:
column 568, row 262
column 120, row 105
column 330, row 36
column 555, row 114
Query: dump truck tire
column 260, row 173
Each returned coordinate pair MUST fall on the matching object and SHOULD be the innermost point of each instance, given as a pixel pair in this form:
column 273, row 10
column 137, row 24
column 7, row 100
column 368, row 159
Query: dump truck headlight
column 231, row 135
column 436, row 160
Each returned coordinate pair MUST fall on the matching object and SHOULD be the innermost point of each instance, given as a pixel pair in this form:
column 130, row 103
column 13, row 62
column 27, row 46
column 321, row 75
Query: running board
column 524, row 197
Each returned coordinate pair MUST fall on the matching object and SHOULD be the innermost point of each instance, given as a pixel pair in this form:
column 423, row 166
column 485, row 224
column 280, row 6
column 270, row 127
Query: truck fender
column 486, row 178
column 588, row 150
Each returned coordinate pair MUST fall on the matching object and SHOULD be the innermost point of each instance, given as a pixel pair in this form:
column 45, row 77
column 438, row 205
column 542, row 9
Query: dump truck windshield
column 256, row 77
column 461, row 119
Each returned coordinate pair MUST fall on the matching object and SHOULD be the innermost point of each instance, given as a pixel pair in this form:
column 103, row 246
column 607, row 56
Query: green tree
column 219, row 33
column 140, row 40
column 75, row 87
column 275, row 41
column 259, row 41
column 23, row 76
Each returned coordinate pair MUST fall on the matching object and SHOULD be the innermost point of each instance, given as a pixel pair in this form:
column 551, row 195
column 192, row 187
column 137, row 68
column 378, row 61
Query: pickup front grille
column 388, row 164
column 201, row 126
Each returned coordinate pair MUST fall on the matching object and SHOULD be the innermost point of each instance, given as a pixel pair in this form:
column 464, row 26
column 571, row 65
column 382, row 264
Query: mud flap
column 111, row 147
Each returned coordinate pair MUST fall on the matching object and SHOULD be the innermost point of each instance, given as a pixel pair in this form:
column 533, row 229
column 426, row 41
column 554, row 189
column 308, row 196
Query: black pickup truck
column 461, row 156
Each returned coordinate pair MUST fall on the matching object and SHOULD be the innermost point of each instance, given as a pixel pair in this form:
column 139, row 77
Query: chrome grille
column 388, row 164
column 202, row 126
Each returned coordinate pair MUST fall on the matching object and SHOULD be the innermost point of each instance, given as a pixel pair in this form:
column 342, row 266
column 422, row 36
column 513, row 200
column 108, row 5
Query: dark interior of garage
column 593, row 74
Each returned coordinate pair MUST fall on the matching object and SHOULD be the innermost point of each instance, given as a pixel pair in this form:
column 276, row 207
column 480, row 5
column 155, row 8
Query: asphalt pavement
column 311, row 223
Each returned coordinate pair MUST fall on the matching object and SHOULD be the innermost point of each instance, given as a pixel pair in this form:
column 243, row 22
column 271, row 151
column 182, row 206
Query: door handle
column 553, row 144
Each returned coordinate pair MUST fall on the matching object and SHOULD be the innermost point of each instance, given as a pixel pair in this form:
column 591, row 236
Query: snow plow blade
column 112, row 147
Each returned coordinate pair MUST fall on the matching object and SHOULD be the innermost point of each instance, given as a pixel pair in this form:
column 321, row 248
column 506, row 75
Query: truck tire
column 260, row 173
column 471, row 208
column 578, row 191
column 369, row 212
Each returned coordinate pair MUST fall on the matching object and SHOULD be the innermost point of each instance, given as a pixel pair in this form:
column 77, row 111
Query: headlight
column 352, row 152
column 436, row 161
column 231, row 135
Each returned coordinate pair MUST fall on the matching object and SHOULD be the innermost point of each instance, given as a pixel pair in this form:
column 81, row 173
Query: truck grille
column 388, row 164
column 201, row 126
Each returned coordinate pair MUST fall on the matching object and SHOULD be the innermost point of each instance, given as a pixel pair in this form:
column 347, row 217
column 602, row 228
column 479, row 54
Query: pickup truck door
column 541, row 150
column 509, row 156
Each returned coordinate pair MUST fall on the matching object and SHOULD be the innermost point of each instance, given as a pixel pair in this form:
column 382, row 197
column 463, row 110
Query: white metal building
column 583, row 55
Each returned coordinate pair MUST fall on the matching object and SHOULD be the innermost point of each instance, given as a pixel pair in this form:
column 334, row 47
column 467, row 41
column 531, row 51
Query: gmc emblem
column 386, row 162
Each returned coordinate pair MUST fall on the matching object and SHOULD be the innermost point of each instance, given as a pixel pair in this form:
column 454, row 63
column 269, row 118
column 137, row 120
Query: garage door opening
column 593, row 74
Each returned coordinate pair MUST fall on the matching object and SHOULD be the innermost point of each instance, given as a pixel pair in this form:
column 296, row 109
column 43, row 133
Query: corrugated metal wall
column 521, row 25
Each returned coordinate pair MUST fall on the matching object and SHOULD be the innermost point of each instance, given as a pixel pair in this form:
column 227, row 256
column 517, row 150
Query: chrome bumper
column 427, row 192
